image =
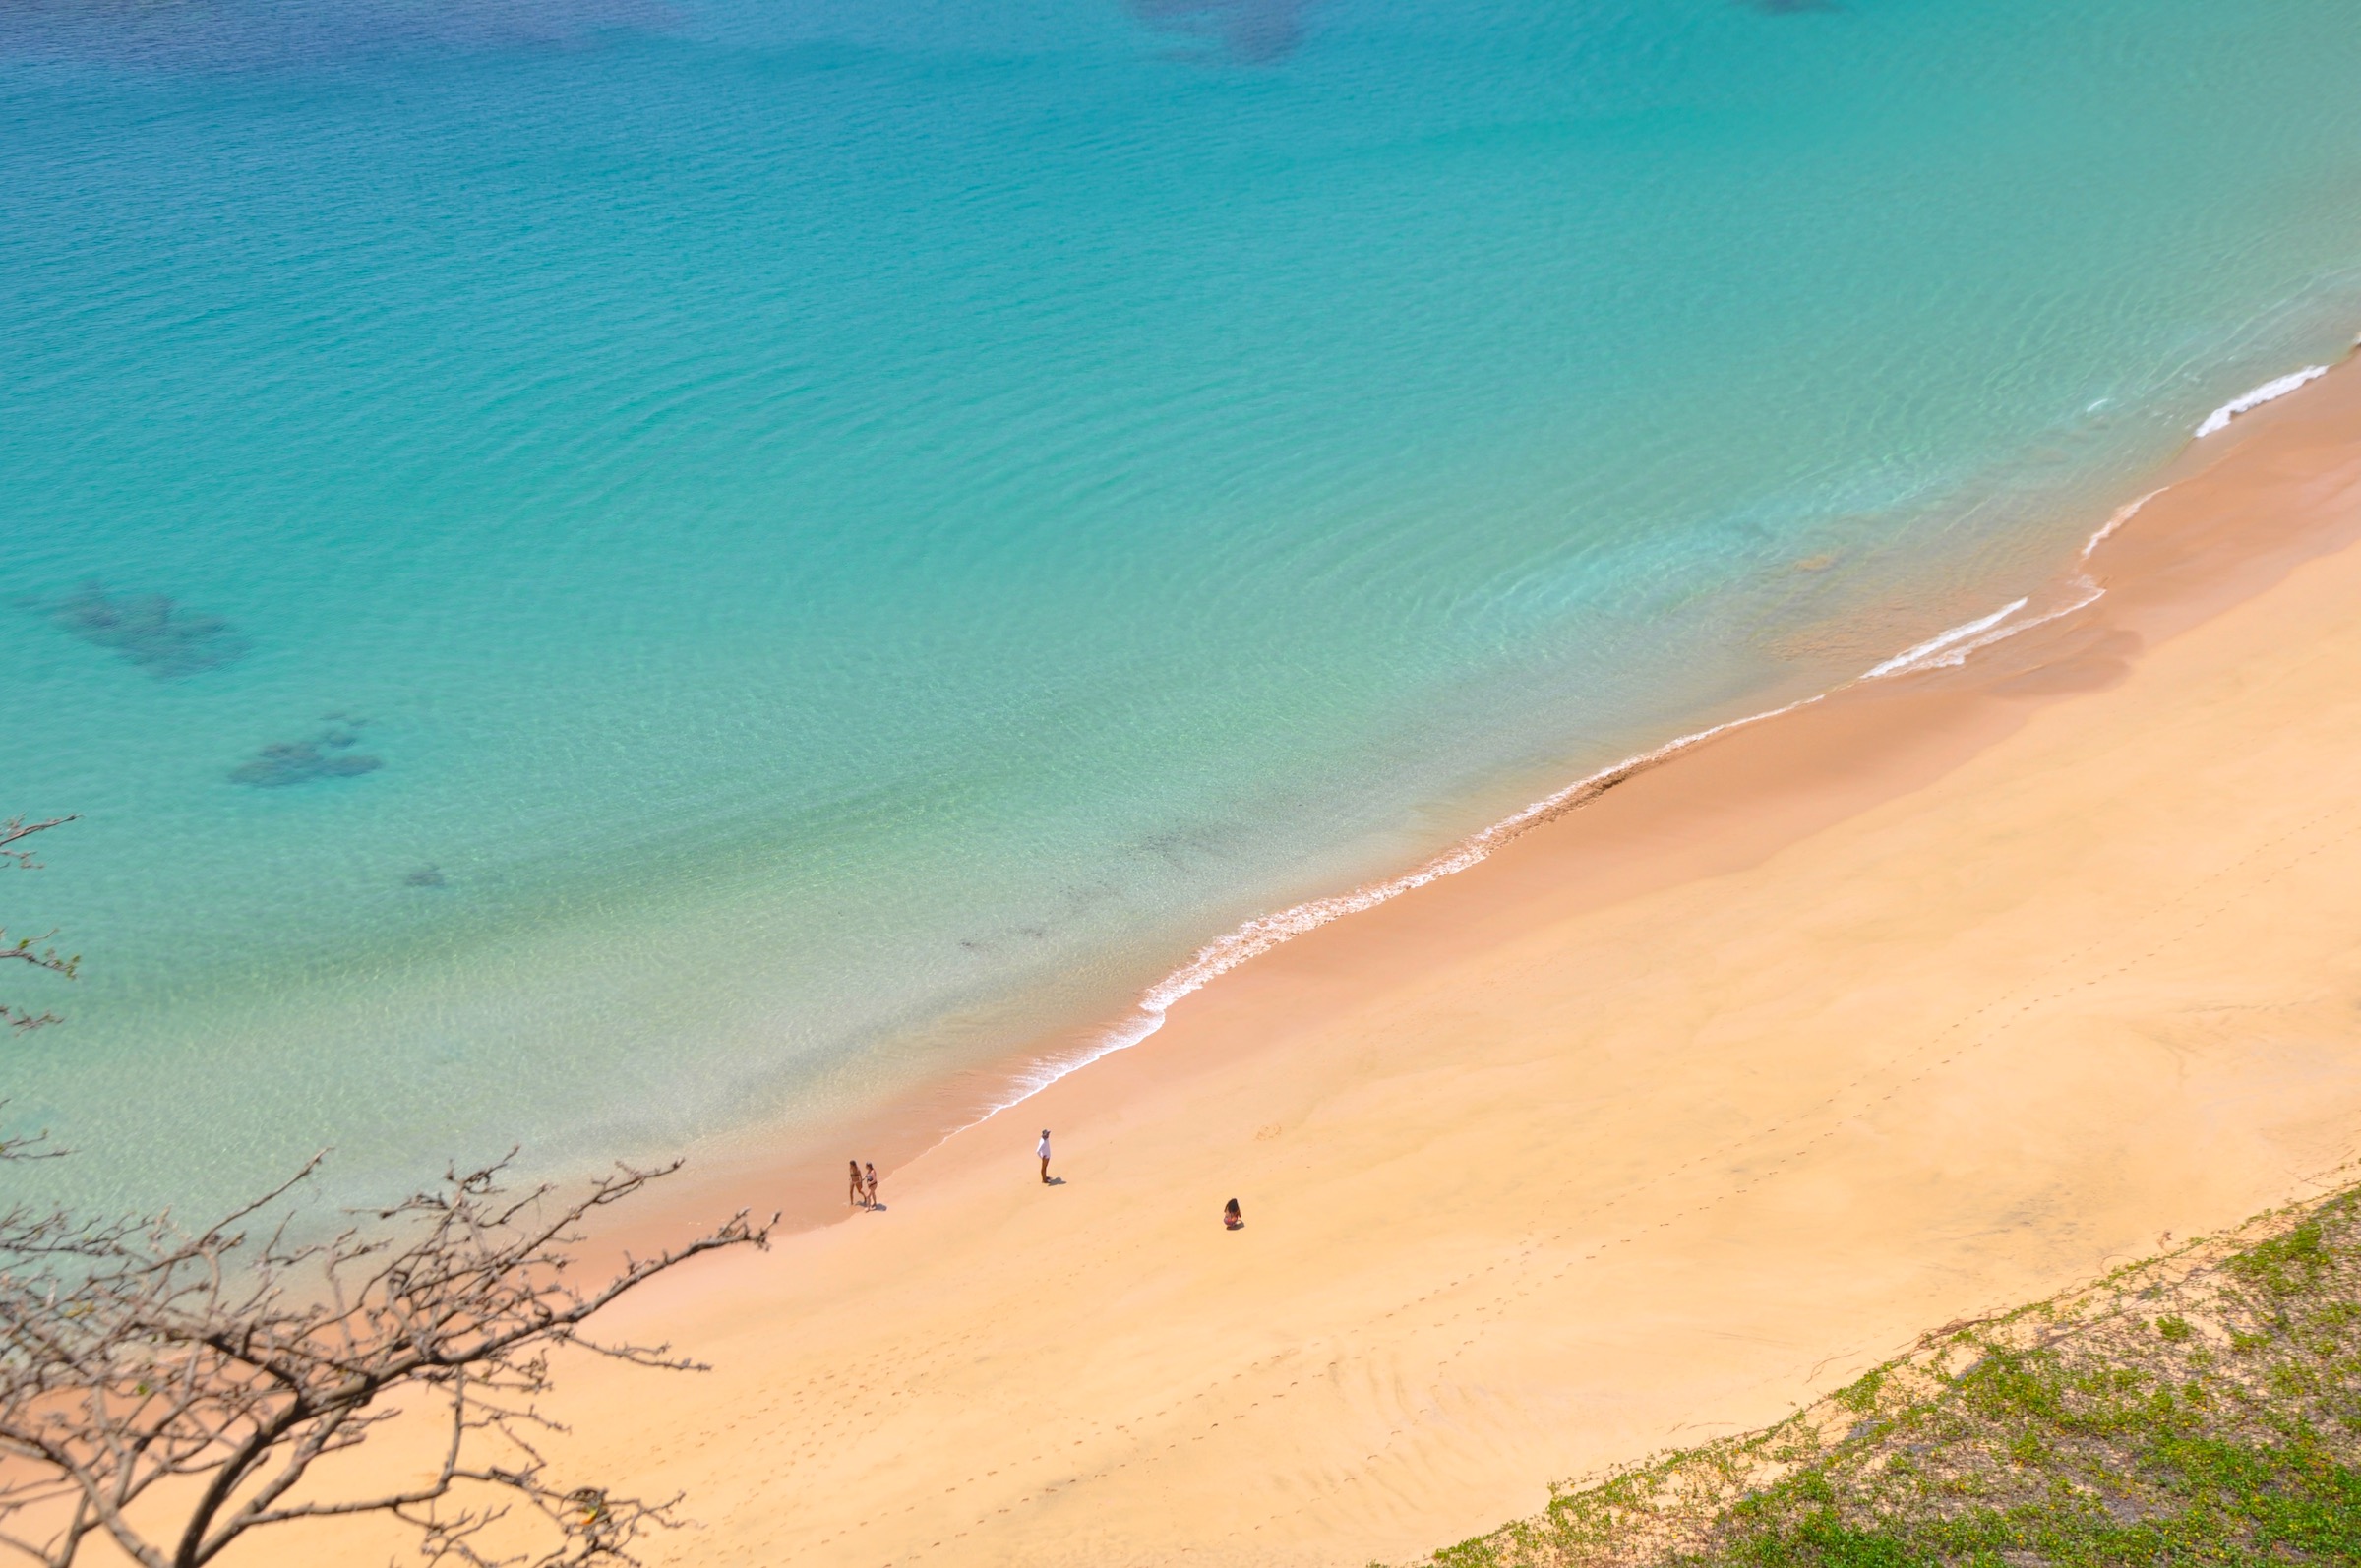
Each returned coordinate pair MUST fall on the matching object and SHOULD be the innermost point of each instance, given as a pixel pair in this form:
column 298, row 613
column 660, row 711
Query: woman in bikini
column 858, row 1197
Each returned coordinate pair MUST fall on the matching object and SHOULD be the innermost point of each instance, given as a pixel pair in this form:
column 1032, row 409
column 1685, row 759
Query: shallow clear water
column 852, row 534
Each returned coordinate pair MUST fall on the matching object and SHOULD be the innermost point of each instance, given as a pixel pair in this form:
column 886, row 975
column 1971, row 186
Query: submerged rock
column 424, row 876
column 327, row 755
column 298, row 762
column 1244, row 31
column 150, row 630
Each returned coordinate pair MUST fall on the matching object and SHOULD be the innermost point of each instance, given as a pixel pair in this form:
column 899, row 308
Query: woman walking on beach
column 869, row 1182
column 859, row 1196
column 1044, row 1151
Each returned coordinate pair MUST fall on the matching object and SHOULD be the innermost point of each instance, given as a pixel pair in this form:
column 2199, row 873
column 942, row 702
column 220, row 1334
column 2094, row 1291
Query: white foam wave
column 2089, row 593
column 1953, row 647
column 1260, row 935
column 2269, row 391
column 2123, row 514
column 1924, row 655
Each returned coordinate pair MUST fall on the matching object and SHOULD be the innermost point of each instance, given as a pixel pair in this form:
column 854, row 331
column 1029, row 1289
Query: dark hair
column 1230, row 1207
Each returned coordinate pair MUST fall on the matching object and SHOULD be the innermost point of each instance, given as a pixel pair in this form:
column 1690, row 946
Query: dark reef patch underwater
column 148, row 629
column 1242, row 31
column 328, row 753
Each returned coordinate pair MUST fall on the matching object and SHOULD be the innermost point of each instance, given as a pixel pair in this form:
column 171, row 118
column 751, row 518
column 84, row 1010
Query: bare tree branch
column 31, row 950
column 233, row 1360
column 16, row 827
column 173, row 1391
column 24, row 1146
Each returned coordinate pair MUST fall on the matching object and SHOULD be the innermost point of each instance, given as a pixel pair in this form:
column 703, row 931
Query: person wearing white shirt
column 1044, row 1151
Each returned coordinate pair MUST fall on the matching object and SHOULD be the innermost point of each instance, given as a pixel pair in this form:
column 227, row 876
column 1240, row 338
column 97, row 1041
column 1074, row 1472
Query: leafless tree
column 174, row 1391
column 32, row 950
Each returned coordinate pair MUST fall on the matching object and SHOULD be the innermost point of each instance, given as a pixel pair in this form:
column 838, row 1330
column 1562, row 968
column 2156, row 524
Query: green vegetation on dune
column 2201, row 1408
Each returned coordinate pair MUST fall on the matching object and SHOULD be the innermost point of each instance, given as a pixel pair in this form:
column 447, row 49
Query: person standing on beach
column 1044, row 1151
column 870, row 1184
column 857, row 1195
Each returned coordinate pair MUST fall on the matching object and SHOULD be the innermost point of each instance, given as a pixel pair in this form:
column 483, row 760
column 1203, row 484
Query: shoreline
column 1928, row 997
column 910, row 1124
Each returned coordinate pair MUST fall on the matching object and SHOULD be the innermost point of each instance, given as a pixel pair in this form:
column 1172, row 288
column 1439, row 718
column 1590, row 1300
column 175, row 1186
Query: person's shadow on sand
column 1054, row 1181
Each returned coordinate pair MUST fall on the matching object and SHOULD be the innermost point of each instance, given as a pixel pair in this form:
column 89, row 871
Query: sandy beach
column 1931, row 996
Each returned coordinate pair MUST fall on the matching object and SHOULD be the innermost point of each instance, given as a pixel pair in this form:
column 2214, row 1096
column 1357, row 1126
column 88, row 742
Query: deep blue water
column 619, row 575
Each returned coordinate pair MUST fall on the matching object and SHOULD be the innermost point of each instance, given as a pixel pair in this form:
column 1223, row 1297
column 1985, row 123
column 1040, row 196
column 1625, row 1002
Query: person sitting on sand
column 859, row 1195
column 869, row 1183
column 1044, row 1151
column 1230, row 1219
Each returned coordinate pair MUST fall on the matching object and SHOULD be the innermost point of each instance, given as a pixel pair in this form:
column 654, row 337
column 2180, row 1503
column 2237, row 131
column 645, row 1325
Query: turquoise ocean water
column 625, row 575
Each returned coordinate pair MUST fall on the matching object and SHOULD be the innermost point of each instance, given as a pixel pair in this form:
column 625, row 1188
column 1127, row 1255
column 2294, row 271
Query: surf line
column 1924, row 655
column 2123, row 514
column 1950, row 649
column 2270, row 391
column 1256, row 936
column 1250, row 939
